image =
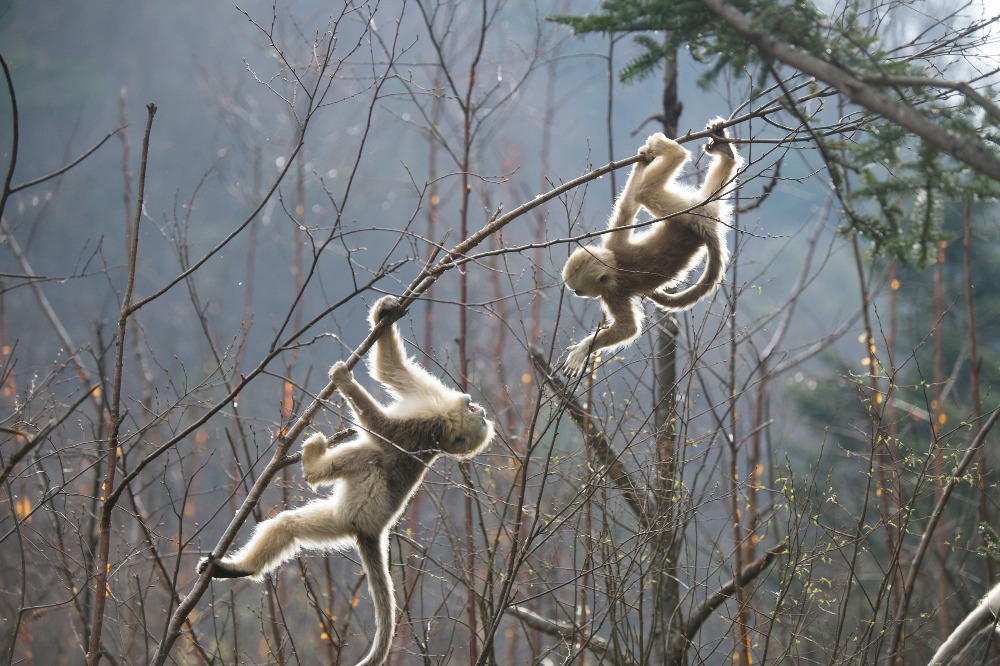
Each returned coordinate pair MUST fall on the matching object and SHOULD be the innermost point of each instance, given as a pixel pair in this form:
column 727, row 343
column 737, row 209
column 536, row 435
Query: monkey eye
column 602, row 279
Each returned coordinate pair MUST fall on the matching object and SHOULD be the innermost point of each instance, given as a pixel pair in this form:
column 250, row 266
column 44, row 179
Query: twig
column 61, row 170
column 34, row 440
column 925, row 540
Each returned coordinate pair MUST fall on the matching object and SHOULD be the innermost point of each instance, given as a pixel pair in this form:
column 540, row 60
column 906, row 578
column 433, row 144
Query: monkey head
column 590, row 271
column 466, row 430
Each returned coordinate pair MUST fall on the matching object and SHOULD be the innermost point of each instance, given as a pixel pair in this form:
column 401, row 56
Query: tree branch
column 635, row 494
column 961, row 148
column 745, row 577
column 927, row 82
column 566, row 631
column 54, row 423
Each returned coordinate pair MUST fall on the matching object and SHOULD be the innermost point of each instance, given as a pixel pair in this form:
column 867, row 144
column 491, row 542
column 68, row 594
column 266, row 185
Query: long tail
column 374, row 552
column 715, row 268
column 980, row 618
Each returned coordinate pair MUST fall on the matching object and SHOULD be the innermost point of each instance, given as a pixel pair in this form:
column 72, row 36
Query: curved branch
column 14, row 135
column 60, row 171
column 564, row 630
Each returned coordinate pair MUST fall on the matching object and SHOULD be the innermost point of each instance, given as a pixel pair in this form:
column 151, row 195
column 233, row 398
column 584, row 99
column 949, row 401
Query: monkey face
column 588, row 271
column 471, row 430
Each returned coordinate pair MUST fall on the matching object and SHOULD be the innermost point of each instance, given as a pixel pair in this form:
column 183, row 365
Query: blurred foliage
column 894, row 188
column 687, row 23
column 991, row 542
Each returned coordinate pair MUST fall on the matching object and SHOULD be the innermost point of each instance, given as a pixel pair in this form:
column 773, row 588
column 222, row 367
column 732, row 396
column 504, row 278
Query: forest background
column 800, row 470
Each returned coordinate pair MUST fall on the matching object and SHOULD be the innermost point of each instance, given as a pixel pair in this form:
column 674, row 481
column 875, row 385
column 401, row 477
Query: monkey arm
column 624, row 212
column 389, row 364
column 369, row 413
column 623, row 329
column 721, row 177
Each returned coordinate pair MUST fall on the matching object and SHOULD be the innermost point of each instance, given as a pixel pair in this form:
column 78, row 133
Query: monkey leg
column 623, row 330
column 279, row 539
column 667, row 157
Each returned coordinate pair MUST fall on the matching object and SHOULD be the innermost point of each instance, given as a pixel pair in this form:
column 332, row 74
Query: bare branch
column 745, row 577
column 34, row 440
column 925, row 540
column 60, row 171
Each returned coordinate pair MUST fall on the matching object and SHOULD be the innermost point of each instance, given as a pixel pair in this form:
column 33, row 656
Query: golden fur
column 629, row 265
column 373, row 476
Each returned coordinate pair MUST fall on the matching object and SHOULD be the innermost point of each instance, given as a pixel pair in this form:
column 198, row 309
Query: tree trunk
column 668, row 624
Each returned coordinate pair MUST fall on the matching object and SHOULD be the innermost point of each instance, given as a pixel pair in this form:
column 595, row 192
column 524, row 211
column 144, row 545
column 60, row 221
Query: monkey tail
column 715, row 268
column 374, row 552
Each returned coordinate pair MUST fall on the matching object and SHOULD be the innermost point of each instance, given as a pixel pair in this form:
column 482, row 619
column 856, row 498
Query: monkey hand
column 656, row 145
column 717, row 144
column 340, row 374
column 312, row 452
column 576, row 359
column 221, row 568
column 314, row 447
column 382, row 308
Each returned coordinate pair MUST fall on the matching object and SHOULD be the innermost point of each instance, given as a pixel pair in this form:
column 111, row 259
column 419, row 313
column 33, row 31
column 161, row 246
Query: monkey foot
column 220, row 570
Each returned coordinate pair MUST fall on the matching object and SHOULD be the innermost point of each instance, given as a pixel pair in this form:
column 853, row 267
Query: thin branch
column 32, row 441
column 925, row 540
column 95, row 651
column 60, row 171
column 749, row 573
column 14, row 136
column 638, row 497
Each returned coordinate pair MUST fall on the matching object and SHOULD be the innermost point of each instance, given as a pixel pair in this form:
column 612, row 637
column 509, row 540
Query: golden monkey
column 629, row 265
column 372, row 476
